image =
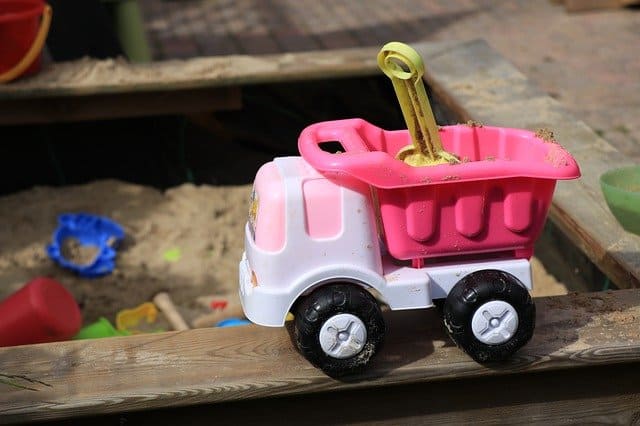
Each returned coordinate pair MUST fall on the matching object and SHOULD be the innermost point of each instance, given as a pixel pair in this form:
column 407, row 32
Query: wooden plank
column 90, row 77
column 477, row 83
column 596, row 395
column 213, row 365
column 93, row 77
column 95, row 89
column 117, row 105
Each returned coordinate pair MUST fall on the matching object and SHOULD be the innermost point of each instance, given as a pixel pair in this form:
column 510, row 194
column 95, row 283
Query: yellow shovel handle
column 34, row 50
column 403, row 65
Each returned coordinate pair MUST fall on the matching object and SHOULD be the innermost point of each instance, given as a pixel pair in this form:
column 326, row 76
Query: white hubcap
column 495, row 322
column 343, row 336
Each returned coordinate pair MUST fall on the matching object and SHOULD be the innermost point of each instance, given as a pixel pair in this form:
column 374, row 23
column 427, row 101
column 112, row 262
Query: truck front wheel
column 489, row 315
column 339, row 328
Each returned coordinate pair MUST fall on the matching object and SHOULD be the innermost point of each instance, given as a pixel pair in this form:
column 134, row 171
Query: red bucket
column 41, row 311
column 24, row 25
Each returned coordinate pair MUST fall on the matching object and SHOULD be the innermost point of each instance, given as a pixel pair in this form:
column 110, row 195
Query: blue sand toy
column 233, row 322
column 88, row 230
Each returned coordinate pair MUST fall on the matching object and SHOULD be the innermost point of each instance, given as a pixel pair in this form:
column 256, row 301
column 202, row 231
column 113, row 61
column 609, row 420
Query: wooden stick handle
column 165, row 304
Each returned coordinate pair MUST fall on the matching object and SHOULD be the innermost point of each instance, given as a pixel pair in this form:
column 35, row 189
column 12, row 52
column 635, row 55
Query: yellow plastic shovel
column 403, row 65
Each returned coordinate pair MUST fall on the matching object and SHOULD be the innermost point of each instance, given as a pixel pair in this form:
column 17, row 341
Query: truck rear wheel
column 339, row 328
column 489, row 315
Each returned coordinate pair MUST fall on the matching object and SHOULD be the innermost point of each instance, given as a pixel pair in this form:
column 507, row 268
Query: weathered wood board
column 95, row 89
column 233, row 364
column 87, row 77
column 596, row 395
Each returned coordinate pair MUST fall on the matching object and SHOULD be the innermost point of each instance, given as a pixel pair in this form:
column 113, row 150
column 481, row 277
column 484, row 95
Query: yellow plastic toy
column 403, row 65
column 128, row 319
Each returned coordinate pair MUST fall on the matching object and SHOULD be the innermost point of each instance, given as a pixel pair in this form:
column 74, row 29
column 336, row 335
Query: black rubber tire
column 473, row 291
column 326, row 302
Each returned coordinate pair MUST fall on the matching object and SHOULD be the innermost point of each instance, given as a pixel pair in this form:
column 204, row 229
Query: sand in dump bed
column 204, row 222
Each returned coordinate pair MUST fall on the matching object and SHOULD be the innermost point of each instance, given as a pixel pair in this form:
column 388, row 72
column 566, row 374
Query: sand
column 201, row 227
column 186, row 241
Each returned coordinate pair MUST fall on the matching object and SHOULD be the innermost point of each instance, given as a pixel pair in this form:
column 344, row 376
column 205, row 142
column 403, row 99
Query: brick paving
column 589, row 61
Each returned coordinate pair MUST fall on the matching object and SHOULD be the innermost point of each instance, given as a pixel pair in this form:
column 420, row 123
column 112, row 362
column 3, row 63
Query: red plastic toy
column 41, row 311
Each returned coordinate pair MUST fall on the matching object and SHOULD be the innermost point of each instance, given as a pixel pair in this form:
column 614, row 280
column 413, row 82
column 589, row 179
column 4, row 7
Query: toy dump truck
column 347, row 227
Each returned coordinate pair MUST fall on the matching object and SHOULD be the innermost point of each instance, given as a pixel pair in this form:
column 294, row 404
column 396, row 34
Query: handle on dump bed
column 346, row 132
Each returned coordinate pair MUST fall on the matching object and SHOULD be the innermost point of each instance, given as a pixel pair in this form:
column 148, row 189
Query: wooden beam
column 604, row 394
column 94, row 77
column 94, row 89
column 232, row 364
column 87, row 77
column 477, row 83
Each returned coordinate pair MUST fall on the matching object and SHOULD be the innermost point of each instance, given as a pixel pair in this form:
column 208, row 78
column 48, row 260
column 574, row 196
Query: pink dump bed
column 496, row 199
